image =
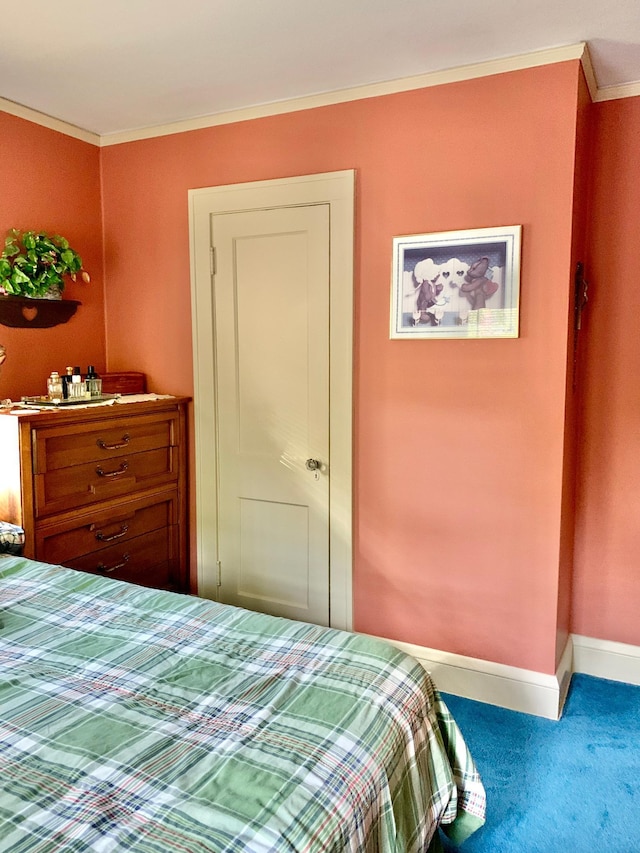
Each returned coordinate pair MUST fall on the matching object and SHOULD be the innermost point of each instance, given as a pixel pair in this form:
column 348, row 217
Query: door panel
column 274, row 553
column 271, row 305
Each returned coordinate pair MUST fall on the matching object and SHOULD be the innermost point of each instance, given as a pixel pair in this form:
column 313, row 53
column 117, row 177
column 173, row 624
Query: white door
column 271, row 308
column 272, row 349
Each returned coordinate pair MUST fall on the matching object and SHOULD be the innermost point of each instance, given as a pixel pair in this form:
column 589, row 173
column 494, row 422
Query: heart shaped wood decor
column 26, row 313
column 29, row 314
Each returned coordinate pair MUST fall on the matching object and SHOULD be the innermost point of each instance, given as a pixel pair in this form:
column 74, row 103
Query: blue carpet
column 571, row 786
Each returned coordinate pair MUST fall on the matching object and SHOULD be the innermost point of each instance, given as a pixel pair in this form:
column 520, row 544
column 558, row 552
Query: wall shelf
column 22, row 312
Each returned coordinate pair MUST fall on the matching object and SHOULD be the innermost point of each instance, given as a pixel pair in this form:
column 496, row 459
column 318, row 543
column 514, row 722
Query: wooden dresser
column 102, row 489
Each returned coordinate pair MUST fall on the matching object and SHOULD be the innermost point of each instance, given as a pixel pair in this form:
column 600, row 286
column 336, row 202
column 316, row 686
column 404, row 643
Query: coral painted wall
column 606, row 597
column 582, row 178
column 463, row 450
column 51, row 182
column 459, row 445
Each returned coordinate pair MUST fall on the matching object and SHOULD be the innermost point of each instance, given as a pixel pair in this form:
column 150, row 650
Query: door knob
column 313, row 465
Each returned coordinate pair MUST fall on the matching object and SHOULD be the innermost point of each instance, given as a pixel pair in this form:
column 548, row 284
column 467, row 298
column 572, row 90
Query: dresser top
column 128, row 405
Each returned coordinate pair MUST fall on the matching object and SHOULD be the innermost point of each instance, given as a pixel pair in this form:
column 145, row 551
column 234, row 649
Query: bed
column 145, row 721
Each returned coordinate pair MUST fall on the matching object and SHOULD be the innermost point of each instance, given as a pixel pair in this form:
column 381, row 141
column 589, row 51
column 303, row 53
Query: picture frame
column 456, row 284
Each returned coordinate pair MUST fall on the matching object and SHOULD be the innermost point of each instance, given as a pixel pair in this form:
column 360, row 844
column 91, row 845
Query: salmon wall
column 459, row 445
column 606, row 592
column 51, row 182
column 582, row 183
column 464, row 464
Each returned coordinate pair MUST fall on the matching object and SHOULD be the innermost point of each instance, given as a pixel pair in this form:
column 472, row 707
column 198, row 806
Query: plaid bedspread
column 148, row 722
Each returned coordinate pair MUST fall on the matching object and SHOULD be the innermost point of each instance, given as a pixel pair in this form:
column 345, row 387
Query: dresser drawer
column 145, row 560
column 67, row 446
column 81, row 485
column 64, row 541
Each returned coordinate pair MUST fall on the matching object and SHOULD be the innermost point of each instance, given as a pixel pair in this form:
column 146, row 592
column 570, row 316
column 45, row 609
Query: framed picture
column 456, row 284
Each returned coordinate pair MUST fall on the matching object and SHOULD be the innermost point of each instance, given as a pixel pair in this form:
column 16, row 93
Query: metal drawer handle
column 108, row 569
column 102, row 538
column 126, row 438
column 123, row 467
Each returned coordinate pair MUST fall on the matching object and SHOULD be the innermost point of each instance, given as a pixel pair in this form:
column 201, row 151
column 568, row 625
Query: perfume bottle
column 54, row 387
column 93, row 382
column 77, row 388
column 66, row 381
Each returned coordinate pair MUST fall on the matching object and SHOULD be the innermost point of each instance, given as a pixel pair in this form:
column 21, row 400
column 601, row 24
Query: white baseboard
column 523, row 689
column 606, row 659
column 497, row 684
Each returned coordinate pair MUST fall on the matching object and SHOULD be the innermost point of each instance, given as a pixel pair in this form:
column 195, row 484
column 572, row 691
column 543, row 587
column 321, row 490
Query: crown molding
column 589, row 73
column 405, row 84
column 45, row 120
column 614, row 93
column 372, row 90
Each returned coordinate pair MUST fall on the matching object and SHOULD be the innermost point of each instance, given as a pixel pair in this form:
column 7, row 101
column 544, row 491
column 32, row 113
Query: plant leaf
column 32, row 262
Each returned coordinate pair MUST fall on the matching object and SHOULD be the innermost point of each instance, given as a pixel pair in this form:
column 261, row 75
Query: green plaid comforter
column 148, row 722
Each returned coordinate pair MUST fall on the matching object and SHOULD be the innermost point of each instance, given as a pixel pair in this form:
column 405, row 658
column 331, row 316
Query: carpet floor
column 571, row 786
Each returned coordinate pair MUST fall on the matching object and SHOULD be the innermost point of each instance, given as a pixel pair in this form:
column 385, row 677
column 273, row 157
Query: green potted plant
column 35, row 264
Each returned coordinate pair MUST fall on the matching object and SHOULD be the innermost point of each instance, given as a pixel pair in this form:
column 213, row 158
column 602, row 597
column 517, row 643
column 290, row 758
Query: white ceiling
column 109, row 66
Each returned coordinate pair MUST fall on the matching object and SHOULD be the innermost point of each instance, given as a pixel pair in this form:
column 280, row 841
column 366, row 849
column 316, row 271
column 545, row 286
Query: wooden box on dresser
column 102, row 489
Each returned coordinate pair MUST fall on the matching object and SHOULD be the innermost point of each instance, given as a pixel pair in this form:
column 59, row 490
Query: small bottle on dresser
column 93, row 381
column 66, row 381
column 77, row 388
column 54, row 387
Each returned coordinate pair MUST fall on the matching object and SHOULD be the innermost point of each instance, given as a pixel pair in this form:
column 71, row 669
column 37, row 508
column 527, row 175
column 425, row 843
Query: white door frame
column 337, row 190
